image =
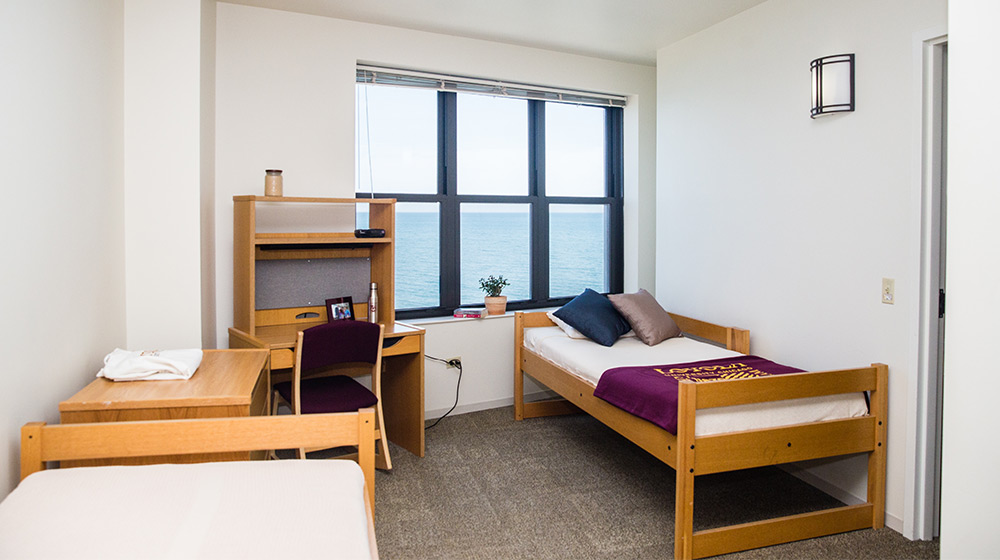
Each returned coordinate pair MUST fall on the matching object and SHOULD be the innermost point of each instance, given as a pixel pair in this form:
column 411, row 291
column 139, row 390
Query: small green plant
column 493, row 285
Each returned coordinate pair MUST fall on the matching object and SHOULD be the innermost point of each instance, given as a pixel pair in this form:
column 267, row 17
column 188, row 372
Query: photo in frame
column 338, row 309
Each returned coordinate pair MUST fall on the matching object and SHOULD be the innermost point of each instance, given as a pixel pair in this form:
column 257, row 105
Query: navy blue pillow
column 593, row 315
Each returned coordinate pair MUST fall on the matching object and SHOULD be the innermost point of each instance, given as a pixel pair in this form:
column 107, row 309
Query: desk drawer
column 406, row 345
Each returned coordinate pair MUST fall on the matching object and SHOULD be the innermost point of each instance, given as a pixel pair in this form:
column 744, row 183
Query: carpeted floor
column 568, row 487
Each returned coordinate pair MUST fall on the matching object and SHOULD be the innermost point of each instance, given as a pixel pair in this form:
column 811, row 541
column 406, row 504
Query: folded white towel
column 123, row 365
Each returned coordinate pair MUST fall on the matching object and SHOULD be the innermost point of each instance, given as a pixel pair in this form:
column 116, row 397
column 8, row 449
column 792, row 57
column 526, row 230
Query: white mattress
column 252, row 509
column 588, row 361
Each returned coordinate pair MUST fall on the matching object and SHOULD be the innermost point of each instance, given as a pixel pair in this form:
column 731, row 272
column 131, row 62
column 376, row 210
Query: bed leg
column 518, row 373
column 366, row 451
column 877, row 458
column 684, row 501
column 518, row 395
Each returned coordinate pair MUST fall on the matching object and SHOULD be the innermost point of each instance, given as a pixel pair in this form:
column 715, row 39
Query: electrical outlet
column 455, row 362
column 888, row 291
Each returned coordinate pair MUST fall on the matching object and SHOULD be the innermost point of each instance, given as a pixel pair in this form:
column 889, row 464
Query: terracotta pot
column 496, row 305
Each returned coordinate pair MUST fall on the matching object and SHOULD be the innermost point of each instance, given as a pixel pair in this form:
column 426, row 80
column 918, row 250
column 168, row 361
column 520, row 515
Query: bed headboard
column 732, row 338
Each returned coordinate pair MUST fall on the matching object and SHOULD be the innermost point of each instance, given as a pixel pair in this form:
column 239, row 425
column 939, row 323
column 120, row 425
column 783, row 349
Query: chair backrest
column 339, row 342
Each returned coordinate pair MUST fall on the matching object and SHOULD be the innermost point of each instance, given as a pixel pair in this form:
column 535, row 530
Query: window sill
column 447, row 319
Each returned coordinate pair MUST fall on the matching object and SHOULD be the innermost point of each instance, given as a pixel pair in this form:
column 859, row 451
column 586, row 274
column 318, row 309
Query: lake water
column 498, row 243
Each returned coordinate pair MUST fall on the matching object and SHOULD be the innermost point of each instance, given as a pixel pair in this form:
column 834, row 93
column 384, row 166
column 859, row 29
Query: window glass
column 417, row 247
column 396, row 136
column 495, row 241
column 492, row 145
column 574, row 150
column 578, row 256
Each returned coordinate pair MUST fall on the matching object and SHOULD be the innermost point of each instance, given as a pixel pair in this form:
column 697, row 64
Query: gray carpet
column 568, row 487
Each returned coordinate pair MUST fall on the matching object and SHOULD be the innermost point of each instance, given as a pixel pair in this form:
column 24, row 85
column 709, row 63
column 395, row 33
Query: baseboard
column 487, row 405
column 891, row 521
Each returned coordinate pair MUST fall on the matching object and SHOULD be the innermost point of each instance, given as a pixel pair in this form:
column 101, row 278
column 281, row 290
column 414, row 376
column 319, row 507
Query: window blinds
column 368, row 74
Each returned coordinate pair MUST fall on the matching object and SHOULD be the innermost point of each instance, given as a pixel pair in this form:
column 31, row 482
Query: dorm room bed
column 695, row 451
column 236, row 509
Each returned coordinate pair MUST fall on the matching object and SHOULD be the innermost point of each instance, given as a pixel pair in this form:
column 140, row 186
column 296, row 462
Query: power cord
column 457, row 364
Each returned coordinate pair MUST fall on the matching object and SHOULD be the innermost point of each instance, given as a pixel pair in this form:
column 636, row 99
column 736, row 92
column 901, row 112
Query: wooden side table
column 227, row 383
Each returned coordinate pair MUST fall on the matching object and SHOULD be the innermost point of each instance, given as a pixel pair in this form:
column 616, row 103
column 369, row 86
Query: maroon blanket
column 650, row 392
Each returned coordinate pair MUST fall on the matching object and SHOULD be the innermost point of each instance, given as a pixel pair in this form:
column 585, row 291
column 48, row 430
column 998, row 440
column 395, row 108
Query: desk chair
column 345, row 345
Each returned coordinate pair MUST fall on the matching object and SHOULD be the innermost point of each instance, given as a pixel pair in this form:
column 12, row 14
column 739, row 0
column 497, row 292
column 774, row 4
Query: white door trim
column 921, row 481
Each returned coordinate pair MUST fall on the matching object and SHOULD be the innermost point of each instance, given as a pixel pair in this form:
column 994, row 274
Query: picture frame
column 339, row 309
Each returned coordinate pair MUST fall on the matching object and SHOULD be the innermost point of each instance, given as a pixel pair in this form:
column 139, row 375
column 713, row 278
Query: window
column 489, row 184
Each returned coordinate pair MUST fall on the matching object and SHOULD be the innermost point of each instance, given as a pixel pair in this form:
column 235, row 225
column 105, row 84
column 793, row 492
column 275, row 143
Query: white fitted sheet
column 588, row 360
column 245, row 509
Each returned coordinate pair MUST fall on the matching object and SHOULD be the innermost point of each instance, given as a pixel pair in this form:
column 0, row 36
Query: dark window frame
column 449, row 204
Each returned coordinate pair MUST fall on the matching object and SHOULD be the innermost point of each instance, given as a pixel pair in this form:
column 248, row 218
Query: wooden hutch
column 268, row 312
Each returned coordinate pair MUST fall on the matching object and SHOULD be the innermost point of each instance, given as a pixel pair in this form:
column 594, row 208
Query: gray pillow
column 650, row 322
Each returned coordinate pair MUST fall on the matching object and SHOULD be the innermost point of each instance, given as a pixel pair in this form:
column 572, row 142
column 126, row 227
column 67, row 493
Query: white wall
column 772, row 221
column 971, row 415
column 285, row 99
column 62, row 287
column 207, row 177
column 163, row 172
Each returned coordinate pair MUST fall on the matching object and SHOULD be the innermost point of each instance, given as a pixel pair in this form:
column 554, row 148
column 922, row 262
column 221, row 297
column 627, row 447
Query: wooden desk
column 227, row 383
column 402, row 374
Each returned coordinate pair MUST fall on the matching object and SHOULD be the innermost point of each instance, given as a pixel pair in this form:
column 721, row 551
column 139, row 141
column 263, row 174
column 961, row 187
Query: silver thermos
column 373, row 303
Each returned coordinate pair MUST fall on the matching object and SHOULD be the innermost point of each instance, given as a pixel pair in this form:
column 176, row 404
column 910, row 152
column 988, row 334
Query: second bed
column 723, row 425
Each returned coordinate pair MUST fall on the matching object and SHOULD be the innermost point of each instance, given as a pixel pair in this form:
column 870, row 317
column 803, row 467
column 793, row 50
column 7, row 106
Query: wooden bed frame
column 691, row 456
column 106, row 440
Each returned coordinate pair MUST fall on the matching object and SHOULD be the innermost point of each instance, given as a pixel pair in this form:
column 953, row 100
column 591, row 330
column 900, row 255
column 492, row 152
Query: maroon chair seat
column 338, row 393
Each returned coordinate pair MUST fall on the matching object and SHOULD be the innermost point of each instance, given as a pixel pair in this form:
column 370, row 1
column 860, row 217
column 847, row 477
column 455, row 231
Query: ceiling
column 623, row 30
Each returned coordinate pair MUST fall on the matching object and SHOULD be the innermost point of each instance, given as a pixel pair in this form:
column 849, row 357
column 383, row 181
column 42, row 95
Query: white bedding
column 244, row 509
column 588, row 361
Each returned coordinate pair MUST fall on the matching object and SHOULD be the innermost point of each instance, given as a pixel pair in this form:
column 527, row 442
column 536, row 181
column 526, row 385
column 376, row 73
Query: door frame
column 921, row 503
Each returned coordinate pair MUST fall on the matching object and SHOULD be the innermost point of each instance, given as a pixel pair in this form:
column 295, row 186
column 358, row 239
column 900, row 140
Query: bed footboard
column 774, row 446
column 41, row 443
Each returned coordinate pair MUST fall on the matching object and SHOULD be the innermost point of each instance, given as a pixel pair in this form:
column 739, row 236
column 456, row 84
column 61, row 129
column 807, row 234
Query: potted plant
column 496, row 304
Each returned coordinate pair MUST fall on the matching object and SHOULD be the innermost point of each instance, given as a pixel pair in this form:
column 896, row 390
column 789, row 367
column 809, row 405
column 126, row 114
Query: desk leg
column 403, row 400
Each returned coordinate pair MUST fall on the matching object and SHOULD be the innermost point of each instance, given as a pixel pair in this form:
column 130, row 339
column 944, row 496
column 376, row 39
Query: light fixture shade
column 832, row 84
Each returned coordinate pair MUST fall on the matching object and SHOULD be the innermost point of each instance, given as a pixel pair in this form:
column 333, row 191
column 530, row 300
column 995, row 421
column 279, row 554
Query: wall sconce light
column 832, row 84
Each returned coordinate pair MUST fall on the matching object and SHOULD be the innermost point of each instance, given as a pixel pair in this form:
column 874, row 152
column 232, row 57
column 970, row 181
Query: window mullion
column 447, row 190
column 613, row 166
column 539, row 207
